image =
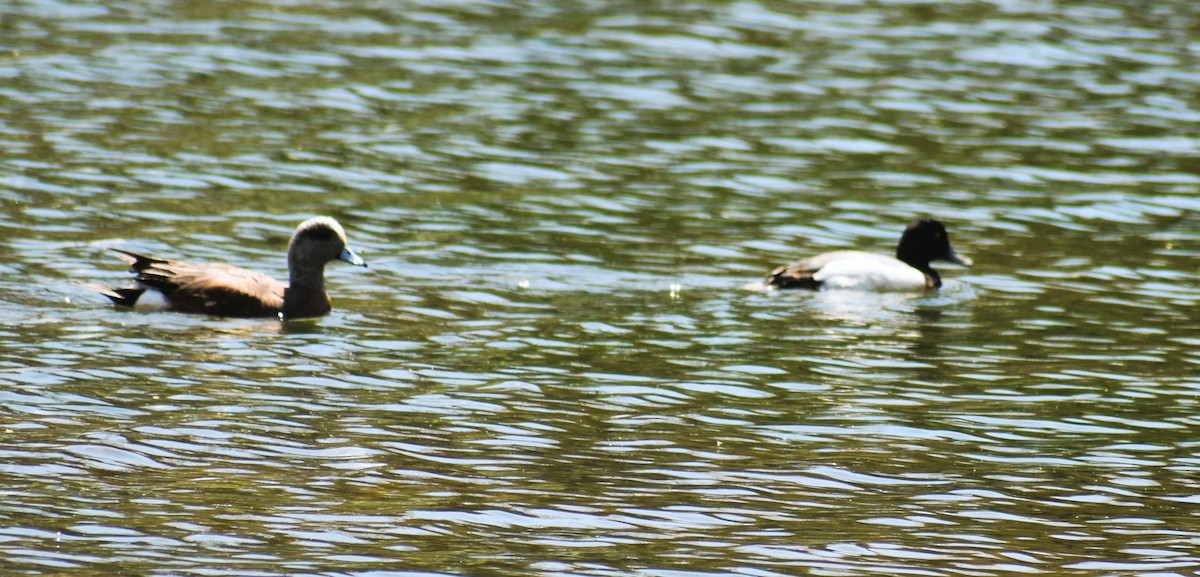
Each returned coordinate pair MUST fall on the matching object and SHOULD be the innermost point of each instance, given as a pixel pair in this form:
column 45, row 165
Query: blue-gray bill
column 352, row 257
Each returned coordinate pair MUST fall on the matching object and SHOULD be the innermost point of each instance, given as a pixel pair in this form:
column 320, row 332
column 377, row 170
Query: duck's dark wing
column 216, row 289
column 799, row 274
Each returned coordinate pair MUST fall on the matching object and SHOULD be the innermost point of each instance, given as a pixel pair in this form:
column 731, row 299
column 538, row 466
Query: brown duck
column 226, row 290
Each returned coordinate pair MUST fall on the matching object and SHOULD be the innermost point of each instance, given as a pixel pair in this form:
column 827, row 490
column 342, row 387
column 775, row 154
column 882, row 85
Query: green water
column 550, row 367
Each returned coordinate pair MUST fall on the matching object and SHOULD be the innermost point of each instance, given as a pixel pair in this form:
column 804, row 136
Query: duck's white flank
column 151, row 300
column 853, row 269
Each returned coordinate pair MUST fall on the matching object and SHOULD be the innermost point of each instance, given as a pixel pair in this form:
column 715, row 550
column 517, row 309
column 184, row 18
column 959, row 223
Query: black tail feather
column 137, row 262
column 126, row 297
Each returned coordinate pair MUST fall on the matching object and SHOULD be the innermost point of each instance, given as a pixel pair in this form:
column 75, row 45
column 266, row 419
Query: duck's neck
column 932, row 279
column 305, row 295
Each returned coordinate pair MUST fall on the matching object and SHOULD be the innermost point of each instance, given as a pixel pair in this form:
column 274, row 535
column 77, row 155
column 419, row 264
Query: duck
column 924, row 240
column 220, row 289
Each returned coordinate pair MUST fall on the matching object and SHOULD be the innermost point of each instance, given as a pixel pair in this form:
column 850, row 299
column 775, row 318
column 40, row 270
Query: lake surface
column 551, row 367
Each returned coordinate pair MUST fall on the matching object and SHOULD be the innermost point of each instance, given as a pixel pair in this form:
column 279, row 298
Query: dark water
column 551, row 368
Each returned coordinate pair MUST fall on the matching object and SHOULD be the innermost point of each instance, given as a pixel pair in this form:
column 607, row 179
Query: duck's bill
column 956, row 258
column 352, row 258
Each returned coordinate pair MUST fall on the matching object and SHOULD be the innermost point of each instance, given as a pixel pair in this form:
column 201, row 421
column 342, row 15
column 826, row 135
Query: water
column 550, row 367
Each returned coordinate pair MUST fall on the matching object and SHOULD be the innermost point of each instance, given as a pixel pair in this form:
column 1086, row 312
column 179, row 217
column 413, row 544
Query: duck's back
column 226, row 290
column 218, row 289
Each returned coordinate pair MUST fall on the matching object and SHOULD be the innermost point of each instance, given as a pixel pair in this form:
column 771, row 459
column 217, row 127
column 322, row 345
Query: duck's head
column 925, row 240
column 318, row 241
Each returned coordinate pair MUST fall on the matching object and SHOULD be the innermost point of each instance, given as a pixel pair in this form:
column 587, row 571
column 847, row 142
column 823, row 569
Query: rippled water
column 550, row 367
